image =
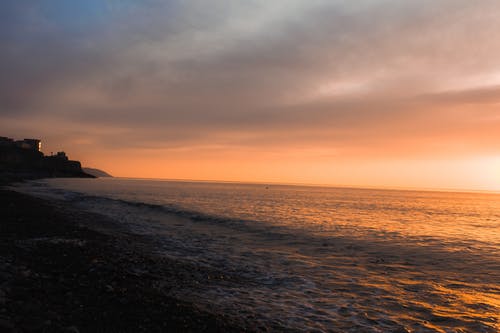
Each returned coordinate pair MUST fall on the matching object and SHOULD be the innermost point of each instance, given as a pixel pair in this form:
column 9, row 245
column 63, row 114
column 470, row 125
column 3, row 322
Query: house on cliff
column 6, row 142
column 19, row 155
column 33, row 144
column 29, row 144
column 62, row 156
column 24, row 157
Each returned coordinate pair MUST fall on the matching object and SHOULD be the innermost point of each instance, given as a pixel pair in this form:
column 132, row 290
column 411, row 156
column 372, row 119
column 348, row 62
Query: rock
column 26, row 273
column 72, row 329
column 6, row 325
column 33, row 324
column 3, row 297
column 4, row 275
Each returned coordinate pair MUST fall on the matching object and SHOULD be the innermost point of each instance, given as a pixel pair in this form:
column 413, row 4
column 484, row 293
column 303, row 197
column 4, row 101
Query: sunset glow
column 378, row 94
column 250, row 166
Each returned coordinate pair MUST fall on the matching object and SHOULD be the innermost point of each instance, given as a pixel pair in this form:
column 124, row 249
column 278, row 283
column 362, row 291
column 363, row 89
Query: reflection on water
column 320, row 258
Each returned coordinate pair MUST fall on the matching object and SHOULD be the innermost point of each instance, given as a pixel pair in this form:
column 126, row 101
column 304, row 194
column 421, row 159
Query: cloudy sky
column 365, row 93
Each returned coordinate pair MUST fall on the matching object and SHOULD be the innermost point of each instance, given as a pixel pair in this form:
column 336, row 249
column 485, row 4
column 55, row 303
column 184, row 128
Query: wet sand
column 67, row 271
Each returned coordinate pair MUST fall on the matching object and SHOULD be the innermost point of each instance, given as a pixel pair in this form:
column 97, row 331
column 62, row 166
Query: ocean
column 310, row 258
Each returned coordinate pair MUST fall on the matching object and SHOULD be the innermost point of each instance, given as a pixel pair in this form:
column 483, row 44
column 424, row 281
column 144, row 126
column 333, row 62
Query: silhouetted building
column 33, row 144
column 6, row 142
column 61, row 155
column 24, row 158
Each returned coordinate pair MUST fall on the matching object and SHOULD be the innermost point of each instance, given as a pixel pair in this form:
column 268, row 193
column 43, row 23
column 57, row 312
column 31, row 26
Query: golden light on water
column 422, row 260
column 372, row 102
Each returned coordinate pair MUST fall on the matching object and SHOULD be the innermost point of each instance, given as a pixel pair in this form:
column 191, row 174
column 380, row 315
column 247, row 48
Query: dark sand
column 61, row 271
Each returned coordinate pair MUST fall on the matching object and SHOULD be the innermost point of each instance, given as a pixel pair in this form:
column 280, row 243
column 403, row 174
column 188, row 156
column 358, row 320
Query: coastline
column 63, row 270
column 136, row 252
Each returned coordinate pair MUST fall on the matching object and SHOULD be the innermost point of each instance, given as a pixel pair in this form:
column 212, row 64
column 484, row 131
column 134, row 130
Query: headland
column 64, row 270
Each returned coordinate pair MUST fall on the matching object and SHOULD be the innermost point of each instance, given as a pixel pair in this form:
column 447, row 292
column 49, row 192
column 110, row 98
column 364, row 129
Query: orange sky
column 387, row 93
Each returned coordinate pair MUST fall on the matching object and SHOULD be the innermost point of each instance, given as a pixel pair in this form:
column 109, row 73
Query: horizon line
column 359, row 187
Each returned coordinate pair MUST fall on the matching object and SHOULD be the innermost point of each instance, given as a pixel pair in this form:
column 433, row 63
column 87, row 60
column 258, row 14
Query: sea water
column 317, row 258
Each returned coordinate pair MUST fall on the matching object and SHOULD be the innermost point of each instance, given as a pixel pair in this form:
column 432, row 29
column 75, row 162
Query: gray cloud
column 177, row 73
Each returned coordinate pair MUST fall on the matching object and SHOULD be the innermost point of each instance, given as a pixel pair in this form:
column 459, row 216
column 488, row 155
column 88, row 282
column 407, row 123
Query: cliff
column 21, row 163
column 97, row 172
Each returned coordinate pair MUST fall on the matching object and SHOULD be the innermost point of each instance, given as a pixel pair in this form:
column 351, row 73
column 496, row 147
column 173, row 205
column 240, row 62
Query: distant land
column 22, row 159
column 96, row 172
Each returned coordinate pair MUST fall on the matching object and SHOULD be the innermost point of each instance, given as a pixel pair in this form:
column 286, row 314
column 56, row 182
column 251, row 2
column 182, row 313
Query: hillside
column 23, row 160
column 96, row 172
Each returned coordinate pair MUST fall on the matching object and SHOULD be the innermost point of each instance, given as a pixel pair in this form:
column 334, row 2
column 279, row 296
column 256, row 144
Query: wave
column 355, row 237
column 351, row 275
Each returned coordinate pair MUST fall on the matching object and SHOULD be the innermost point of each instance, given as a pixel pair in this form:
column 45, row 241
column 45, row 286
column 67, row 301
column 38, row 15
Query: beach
column 58, row 273
column 250, row 166
column 150, row 255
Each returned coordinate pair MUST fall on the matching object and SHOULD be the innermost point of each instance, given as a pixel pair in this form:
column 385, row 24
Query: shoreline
column 63, row 270
column 95, row 260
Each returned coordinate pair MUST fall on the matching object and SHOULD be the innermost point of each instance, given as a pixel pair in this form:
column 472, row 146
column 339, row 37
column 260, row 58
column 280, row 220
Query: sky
column 383, row 93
